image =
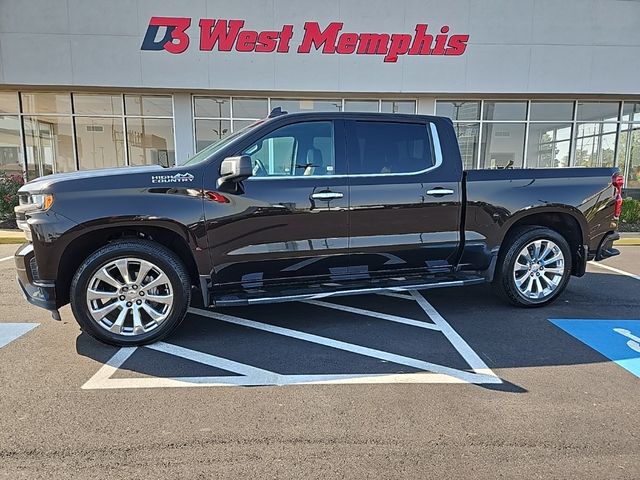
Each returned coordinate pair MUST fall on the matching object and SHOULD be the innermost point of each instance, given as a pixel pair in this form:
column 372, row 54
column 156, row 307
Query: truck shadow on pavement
column 467, row 336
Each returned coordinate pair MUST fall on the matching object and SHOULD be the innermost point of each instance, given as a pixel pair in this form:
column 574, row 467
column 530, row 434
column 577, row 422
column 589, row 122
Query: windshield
column 208, row 151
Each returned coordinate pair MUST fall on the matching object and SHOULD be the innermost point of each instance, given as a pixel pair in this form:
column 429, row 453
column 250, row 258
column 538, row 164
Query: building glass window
column 504, row 111
column 149, row 105
column 307, row 105
column 97, row 104
column 502, row 145
column 459, row 110
column 46, row 103
column 251, row 108
column 468, row 134
column 398, row 106
column 631, row 112
column 361, row 105
column 9, row 102
column 595, row 144
column 10, row 145
column 598, row 111
column 629, row 154
column 99, row 142
column 49, row 145
column 149, row 137
column 150, row 141
column 551, row 111
column 209, row 131
column 548, row 145
column 212, row 107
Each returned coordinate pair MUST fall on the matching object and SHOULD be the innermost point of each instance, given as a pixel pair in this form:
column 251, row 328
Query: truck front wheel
column 130, row 292
column 535, row 268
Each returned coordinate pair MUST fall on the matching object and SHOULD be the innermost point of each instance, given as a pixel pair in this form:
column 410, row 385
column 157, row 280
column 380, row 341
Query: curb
column 628, row 242
column 12, row 240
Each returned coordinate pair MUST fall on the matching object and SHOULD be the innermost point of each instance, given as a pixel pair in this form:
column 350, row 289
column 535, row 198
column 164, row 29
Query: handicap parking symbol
column 618, row 340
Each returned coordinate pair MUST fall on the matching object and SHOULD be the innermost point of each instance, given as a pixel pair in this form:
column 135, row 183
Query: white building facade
column 529, row 83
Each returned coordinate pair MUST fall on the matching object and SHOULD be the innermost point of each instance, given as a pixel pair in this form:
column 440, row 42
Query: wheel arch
column 90, row 238
column 570, row 223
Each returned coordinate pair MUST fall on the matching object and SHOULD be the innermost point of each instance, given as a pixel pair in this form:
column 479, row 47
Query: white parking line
column 369, row 313
column 616, row 270
column 6, row 258
column 249, row 375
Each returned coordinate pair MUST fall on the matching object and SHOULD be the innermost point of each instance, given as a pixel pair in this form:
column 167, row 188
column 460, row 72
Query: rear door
column 291, row 221
column 405, row 201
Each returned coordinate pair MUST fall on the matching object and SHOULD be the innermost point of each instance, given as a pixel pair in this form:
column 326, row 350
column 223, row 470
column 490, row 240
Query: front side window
column 387, row 147
column 300, row 149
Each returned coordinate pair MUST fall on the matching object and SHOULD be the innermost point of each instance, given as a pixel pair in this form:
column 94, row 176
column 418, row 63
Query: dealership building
column 88, row 84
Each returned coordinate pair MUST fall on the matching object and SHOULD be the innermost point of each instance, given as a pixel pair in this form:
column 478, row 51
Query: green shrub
column 630, row 211
column 9, row 185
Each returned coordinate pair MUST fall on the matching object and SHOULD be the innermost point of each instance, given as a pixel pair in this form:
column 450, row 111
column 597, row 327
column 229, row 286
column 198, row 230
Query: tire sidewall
column 145, row 250
column 508, row 283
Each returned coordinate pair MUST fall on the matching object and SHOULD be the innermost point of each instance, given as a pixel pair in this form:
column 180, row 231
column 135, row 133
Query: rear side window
column 388, row 147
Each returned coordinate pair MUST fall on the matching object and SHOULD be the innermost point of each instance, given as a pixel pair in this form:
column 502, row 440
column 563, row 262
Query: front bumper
column 36, row 291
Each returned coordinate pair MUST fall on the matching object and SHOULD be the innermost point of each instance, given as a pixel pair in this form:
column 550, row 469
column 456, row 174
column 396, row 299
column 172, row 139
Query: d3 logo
column 175, row 39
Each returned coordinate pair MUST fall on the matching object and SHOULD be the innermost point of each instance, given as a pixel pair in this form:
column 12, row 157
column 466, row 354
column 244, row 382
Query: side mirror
column 235, row 169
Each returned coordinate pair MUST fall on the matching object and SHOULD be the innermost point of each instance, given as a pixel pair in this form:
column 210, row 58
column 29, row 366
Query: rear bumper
column 606, row 250
column 36, row 291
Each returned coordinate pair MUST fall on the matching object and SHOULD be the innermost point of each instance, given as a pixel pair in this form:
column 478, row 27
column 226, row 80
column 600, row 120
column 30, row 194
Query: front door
column 405, row 203
column 291, row 222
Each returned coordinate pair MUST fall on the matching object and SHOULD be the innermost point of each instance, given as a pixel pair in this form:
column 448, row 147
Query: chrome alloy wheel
column 129, row 296
column 538, row 269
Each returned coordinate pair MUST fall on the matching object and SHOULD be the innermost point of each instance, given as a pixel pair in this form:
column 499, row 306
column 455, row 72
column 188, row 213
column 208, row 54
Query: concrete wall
column 515, row 46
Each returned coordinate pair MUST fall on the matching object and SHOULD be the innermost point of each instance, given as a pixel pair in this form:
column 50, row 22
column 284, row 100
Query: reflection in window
column 595, row 144
column 49, row 145
column 398, row 106
column 504, row 110
column 598, row 111
column 551, row 111
column 384, row 147
column 149, row 105
column 467, row 134
column 8, row 102
column 216, row 107
column 502, row 145
column 92, row 104
column 99, row 142
column 629, row 154
column 459, row 110
column 209, row 131
column 38, row 102
column 250, row 108
column 10, row 145
column 307, row 105
column 361, row 105
column 548, row 145
column 150, row 141
column 300, row 149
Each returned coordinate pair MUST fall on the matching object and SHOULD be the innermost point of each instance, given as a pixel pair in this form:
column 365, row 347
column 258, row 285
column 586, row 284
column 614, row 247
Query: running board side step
column 254, row 298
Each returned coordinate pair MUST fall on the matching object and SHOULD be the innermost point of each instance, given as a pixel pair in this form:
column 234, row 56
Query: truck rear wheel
column 535, row 268
column 130, row 292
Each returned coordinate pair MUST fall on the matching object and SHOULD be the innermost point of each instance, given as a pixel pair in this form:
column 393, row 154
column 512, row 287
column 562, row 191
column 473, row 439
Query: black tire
column 504, row 279
column 146, row 250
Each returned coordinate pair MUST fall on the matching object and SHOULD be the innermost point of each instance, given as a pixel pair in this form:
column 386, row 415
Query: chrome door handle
column 440, row 191
column 326, row 195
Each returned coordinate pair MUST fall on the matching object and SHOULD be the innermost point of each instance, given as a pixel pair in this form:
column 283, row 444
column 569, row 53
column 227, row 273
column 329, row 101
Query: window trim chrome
column 437, row 151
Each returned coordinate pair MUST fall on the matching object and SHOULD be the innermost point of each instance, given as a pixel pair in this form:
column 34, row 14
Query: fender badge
column 178, row 177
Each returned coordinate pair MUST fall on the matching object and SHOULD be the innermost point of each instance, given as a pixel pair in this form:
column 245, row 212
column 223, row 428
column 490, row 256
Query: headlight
column 42, row 201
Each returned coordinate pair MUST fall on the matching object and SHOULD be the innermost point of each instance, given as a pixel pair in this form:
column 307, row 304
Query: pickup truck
column 300, row 206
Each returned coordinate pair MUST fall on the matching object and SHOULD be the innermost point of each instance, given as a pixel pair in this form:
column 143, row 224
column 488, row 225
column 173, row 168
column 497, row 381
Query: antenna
column 276, row 112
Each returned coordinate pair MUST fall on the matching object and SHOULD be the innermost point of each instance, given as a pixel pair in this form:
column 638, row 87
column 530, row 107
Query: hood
column 144, row 176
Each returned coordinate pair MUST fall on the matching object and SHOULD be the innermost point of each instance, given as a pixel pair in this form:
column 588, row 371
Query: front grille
column 35, row 275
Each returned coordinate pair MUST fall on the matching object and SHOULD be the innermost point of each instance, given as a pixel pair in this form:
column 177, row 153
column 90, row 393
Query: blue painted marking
column 618, row 340
column 10, row 331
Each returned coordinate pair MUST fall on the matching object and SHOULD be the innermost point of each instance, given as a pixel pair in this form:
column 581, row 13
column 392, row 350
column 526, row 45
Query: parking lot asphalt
column 447, row 383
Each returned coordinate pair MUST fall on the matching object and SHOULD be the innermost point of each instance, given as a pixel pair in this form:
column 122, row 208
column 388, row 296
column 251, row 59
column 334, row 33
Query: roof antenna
column 276, row 112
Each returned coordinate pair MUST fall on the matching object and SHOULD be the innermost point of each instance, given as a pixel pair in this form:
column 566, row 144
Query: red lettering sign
column 230, row 35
